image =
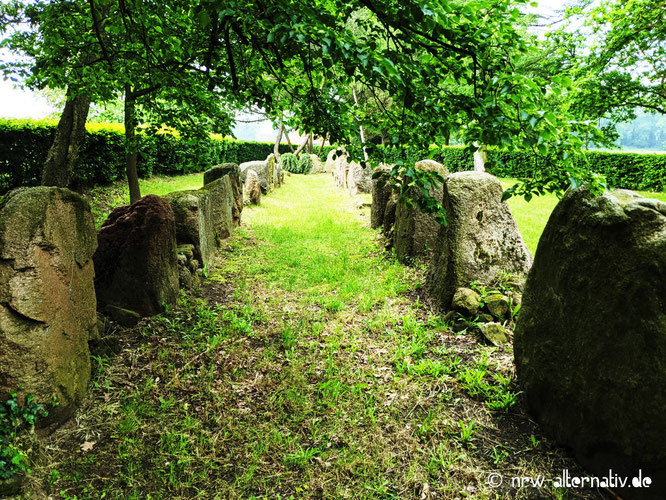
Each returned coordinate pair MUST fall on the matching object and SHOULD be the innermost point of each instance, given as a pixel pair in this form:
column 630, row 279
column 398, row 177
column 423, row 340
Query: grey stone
column 232, row 171
column 497, row 305
column 481, row 239
column 381, row 192
column 252, row 188
column 590, row 342
column 195, row 224
column 261, row 168
column 221, row 198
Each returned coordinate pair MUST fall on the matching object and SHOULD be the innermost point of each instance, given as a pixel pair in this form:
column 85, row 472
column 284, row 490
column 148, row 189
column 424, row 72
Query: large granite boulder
column 195, row 224
column 135, row 264
column 481, row 239
column 261, row 168
column 416, row 232
column 590, row 343
column 232, row 171
column 47, row 296
column 222, row 202
column 381, row 192
column 317, row 165
column 252, row 188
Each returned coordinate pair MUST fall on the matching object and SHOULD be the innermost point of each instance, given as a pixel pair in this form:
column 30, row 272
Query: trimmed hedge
column 637, row 171
column 25, row 143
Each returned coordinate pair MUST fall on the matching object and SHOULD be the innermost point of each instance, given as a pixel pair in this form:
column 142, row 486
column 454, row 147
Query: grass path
column 308, row 366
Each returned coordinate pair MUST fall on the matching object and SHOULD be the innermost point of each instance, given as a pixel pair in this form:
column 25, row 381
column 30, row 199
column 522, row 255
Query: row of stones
column 590, row 339
column 350, row 176
column 56, row 272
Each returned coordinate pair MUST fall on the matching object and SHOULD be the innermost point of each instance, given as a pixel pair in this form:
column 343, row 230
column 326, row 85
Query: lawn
column 532, row 216
column 309, row 365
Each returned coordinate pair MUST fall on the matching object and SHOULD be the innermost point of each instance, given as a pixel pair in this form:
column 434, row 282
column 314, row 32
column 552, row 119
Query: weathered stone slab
column 481, row 239
column 233, row 172
column 194, row 216
column 47, row 296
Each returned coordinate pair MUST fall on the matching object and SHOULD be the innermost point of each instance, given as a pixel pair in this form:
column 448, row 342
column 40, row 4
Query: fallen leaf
column 88, row 445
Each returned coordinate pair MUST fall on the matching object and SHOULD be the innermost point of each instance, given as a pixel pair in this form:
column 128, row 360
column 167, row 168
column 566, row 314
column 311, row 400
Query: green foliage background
column 24, row 144
column 637, row 171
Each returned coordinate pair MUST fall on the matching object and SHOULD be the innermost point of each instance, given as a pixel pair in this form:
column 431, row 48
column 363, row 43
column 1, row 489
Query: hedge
column 637, row 171
column 24, row 144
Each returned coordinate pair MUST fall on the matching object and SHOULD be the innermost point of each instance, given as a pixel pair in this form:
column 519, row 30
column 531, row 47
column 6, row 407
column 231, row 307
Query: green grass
column 306, row 367
column 532, row 216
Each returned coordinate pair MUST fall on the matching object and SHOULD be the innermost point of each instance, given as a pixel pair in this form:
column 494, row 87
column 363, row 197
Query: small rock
column 200, row 273
column 187, row 250
column 497, row 305
column 184, row 277
column 182, row 260
column 124, row 317
column 450, row 316
column 466, row 301
column 485, row 318
column 193, row 264
column 495, row 333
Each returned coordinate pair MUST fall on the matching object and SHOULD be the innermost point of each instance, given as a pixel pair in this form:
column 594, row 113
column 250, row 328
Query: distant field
column 532, row 216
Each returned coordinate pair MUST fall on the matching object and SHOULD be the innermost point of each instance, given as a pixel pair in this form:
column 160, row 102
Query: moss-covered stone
column 194, row 217
column 590, row 342
column 416, row 232
column 47, row 296
column 232, row 171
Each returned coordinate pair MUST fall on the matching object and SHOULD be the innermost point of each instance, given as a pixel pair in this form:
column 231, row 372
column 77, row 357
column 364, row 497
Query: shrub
column 25, row 143
column 290, row 163
column 305, row 163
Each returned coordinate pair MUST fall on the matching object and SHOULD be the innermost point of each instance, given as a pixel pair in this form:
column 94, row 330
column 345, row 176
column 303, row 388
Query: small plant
column 16, row 418
column 466, row 432
column 498, row 454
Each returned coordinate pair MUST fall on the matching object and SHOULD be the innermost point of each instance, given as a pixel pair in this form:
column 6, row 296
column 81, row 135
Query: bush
column 25, row 143
column 637, row 171
column 291, row 163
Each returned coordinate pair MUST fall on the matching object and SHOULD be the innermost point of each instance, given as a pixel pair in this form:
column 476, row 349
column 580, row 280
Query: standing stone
column 279, row 174
column 271, row 166
column 221, row 197
column 380, row 196
column 416, row 232
column 389, row 218
column 329, row 166
column 47, row 296
column 481, row 239
column 359, row 179
column 590, row 343
column 261, row 169
column 136, row 265
column 340, row 169
column 317, row 165
column 252, row 188
column 193, row 213
column 233, row 172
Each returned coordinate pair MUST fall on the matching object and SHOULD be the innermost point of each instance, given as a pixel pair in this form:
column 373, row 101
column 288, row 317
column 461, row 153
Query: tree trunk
column 305, row 143
column 360, row 128
column 131, row 146
column 64, row 151
column 323, row 143
column 286, row 134
column 276, row 148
